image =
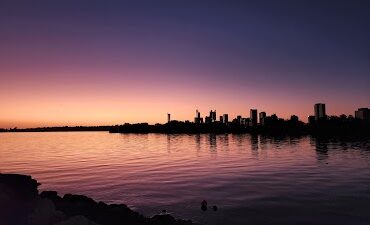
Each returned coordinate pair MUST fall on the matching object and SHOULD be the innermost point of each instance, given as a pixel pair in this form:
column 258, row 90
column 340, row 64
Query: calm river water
column 252, row 179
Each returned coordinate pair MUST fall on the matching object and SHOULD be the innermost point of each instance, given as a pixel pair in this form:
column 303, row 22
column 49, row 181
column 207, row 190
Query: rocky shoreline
column 22, row 204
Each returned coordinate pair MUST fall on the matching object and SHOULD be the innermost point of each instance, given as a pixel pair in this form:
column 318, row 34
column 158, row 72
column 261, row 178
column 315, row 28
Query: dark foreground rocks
column 21, row 204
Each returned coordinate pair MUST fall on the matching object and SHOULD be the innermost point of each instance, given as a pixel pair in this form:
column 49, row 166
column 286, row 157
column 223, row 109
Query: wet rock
column 162, row 220
column 20, row 203
column 76, row 220
column 24, row 186
column 17, row 196
column 44, row 213
column 52, row 195
column 204, row 205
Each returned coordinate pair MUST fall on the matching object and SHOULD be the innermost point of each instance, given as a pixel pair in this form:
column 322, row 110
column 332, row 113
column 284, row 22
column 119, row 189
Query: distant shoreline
column 353, row 129
column 59, row 129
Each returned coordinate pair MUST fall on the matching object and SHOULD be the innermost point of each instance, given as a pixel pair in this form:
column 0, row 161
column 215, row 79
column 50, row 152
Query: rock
column 214, row 208
column 17, row 196
column 44, row 213
column 20, row 203
column 204, row 205
column 162, row 220
column 24, row 186
column 76, row 220
column 52, row 195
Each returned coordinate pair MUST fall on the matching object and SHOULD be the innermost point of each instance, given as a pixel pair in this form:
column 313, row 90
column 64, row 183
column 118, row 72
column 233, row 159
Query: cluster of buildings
column 262, row 118
column 224, row 119
column 320, row 114
column 252, row 121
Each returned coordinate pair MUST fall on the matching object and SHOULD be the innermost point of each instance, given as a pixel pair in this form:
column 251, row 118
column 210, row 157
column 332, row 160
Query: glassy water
column 252, row 179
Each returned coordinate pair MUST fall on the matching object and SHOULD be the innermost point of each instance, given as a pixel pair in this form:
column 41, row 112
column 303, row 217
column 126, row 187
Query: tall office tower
column 363, row 114
column 320, row 111
column 212, row 116
column 262, row 117
column 225, row 118
column 253, row 117
column 197, row 117
column 221, row 119
column 168, row 117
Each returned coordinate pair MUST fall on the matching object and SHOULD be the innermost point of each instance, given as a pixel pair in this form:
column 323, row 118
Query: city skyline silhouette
column 184, row 112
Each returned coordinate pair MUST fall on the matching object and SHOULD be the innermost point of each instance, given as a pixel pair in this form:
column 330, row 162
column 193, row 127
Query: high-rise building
column 197, row 118
column 320, row 111
column 253, row 117
column 212, row 116
column 262, row 116
column 168, row 117
column 221, row 119
column 363, row 114
column 225, row 119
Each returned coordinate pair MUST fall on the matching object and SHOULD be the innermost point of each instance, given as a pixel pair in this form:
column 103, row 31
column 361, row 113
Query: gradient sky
column 110, row 62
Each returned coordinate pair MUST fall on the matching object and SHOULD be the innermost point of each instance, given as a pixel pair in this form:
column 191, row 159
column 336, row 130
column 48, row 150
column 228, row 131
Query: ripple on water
column 252, row 179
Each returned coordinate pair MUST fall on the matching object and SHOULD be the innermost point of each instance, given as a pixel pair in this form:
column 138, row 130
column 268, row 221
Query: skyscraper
column 225, row 119
column 197, row 118
column 262, row 117
column 320, row 111
column 253, row 117
column 168, row 117
column 212, row 116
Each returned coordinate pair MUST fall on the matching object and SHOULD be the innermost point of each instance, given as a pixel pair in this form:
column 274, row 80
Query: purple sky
column 109, row 62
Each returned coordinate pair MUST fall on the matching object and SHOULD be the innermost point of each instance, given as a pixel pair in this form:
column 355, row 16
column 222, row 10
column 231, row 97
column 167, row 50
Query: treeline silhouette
column 330, row 126
column 59, row 129
column 340, row 126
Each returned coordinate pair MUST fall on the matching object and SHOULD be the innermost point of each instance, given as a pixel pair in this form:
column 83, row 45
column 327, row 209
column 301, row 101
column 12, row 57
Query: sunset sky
column 109, row 62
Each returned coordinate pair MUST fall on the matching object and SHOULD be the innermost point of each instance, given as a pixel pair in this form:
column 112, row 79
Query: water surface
column 252, row 179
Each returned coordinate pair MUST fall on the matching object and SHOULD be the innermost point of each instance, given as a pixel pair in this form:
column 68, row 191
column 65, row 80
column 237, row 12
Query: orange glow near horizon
column 126, row 62
column 90, row 102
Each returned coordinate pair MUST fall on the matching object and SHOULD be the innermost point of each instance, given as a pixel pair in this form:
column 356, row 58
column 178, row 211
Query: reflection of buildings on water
column 169, row 142
column 293, row 140
column 238, row 139
column 321, row 147
column 254, row 145
column 213, row 141
column 344, row 145
column 223, row 140
column 263, row 142
column 197, row 141
column 254, row 142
